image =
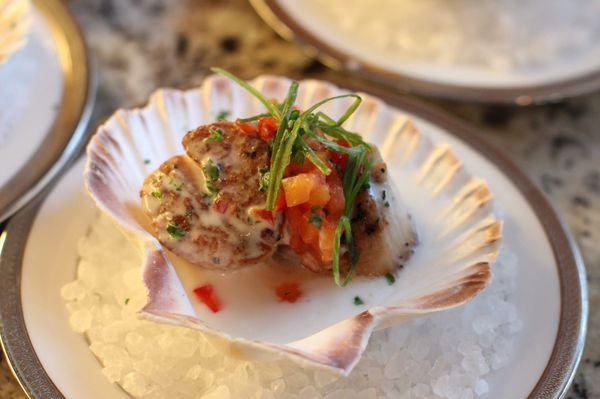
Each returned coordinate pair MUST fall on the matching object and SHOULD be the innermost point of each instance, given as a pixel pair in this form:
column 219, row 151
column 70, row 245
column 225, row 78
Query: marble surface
column 140, row 45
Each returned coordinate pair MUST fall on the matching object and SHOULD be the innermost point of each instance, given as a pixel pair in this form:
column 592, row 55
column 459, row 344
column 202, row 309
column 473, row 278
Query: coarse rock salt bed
column 445, row 355
column 496, row 35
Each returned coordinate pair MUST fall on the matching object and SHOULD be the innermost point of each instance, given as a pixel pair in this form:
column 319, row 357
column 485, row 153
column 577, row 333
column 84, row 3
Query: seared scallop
column 202, row 204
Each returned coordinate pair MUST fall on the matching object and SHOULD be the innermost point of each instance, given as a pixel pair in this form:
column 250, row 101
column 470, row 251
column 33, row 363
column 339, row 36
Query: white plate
column 304, row 22
column 45, row 100
column 550, row 343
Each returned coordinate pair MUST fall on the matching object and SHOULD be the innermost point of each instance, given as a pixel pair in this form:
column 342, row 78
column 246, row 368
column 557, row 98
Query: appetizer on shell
column 15, row 19
column 279, row 185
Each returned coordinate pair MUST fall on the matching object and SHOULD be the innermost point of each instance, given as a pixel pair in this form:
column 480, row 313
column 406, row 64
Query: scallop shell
column 15, row 19
column 459, row 235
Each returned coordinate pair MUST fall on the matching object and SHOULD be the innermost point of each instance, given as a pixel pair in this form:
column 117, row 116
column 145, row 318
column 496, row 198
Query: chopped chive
column 210, row 170
column 126, row 301
column 214, row 135
column 263, row 179
column 289, row 143
column 253, row 118
column 156, row 194
column 358, row 301
column 266, row 102
column 223, row 115
column 178, row 185
column 390, row 278
column 175, row 231
column 386, row 204
column 146, row 161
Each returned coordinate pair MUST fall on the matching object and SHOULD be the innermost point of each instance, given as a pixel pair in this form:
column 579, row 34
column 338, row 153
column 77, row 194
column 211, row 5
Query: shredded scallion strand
column 289, row 135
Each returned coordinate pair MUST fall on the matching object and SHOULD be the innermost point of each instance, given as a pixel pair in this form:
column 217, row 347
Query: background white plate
column 50, row 256
column 46, row 93
column 304, row 23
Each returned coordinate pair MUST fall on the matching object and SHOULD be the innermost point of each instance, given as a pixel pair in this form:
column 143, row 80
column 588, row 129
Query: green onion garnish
column 214, row 135
column 156, row 194
column 175, row 231
column 222, row 115
column 289, row 143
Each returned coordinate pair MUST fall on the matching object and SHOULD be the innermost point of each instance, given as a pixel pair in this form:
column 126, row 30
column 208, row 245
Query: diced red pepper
column 340, row 158
column 263, row 214
column 288, row 292
column 280, row 201
column 247, row 128
column 221, row 205
column 207, row 295
column 267, row 127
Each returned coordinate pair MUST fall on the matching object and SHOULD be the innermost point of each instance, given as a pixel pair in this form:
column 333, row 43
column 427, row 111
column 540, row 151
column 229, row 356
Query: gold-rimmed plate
column 52, row 361
column 46, row 94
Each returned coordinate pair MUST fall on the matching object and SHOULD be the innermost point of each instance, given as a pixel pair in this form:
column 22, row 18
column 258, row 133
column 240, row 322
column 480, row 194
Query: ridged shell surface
column 459, row 235
column 15, row 19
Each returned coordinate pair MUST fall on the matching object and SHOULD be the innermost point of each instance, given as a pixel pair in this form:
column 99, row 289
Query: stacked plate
column 43, row 116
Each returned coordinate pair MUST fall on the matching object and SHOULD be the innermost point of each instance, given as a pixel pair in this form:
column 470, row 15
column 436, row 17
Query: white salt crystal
column 419, row 349
column 395, row 367
column 182, row 347
column 420, row 390
column 193, row 372
column 309, row 392
column 474, row 363
column 369, row 393
column 221, row 392
column 482, row 387
column 296, row 381
column 324, row 378
column 73, row 291
column 340, row 394
column 80, row 320
column 113, row 373
column 144, row 366
column 440, row 386
column 268, row 370
column 135, row 384
column 278, row 386
column 443, row 355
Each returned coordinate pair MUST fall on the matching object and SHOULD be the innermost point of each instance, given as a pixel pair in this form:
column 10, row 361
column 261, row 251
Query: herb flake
column 315, row 218
column 358, row 301
column 156, row 194
column 214, row 135
column 221, row 116
column 390, row 278
column 175, row 231
column 126, row 301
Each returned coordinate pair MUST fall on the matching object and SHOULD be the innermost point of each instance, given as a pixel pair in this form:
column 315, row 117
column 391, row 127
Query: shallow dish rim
column 67, row 135
column 568, row 347
column 289, row 29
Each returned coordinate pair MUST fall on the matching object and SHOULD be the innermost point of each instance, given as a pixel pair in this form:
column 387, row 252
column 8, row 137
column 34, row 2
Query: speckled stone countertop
column 140, row 45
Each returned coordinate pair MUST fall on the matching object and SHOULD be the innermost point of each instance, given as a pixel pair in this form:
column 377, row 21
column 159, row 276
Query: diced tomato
column 335, row 206
column 297, row 188
column 247, row 128
column 326, row 239
column 221, row 205
column 207, row 295
column 319, row 196
column 280, row 202
column 288, row 292
column 267, row 127
column 263, row 214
